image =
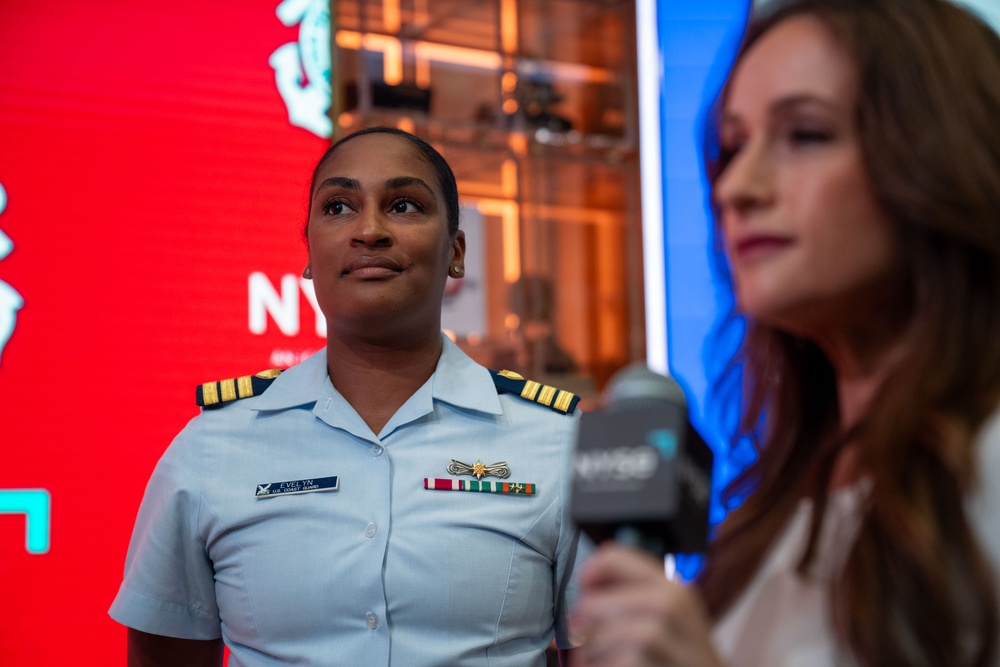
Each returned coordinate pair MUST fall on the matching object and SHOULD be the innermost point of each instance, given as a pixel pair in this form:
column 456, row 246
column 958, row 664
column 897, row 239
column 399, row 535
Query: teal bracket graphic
column 36, row 506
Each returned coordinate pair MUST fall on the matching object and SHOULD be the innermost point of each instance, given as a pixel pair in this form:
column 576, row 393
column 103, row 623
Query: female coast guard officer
column 387, row 502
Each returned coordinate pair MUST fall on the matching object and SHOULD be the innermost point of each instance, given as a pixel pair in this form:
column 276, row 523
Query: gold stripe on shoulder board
column 217, row 394
column 543, row 394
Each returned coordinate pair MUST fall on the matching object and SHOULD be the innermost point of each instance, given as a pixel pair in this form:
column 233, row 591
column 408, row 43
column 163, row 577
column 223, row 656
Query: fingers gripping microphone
column 641, row 472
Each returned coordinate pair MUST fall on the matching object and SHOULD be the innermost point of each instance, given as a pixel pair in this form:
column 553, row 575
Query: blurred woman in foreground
column 857, row 195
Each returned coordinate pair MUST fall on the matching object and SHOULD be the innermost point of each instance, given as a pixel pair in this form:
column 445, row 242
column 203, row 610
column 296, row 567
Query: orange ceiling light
column 508, row 26
column 518, row 143
column 509, row 214
column 348, row 39
column 390, row 47
column 422, row 71
column 459, row 55
column 390, row 16
column 508, row 178
column 508, row 82
column 462, row 56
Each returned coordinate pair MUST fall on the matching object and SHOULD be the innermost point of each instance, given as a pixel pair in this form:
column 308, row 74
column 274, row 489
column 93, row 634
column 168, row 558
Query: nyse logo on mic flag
column 622, row 464
column 641, row 473
column 617, row 465
column 619, row 454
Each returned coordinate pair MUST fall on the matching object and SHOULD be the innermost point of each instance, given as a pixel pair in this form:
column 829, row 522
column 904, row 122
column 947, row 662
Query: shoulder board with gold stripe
column 216, row 394
column 511, row 383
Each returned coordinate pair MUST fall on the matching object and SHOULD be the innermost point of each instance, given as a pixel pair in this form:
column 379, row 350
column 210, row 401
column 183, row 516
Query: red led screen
column 151, row 181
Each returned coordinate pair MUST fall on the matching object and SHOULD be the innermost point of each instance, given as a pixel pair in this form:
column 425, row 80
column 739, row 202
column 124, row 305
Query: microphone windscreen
column 640, row 470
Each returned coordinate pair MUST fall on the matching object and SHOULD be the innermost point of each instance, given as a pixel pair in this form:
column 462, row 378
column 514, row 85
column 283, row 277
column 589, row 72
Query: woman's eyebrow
column 406, row 181
column 793, row 102
column 340, row 182
column 783, row 106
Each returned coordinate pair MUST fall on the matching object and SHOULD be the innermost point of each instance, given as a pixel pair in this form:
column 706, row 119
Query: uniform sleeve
column 169, row 586
column 984, row 505
column 573, row 548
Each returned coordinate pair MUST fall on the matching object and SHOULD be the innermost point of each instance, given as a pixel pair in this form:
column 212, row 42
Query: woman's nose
column 372, row 229
column 746, row 183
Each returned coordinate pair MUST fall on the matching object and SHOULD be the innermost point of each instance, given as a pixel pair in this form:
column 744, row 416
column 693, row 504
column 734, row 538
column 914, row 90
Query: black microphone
column 642, row 475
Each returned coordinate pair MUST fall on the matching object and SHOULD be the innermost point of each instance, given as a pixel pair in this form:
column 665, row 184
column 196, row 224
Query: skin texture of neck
column 377, row 377
column 861, row 360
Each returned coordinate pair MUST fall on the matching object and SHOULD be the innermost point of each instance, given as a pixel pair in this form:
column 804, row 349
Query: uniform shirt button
column 370, row 531
column 377, row 450
column 372, row 620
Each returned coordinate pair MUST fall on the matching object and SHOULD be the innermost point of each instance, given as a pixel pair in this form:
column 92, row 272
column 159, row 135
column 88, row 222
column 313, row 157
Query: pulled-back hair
column 917, row 588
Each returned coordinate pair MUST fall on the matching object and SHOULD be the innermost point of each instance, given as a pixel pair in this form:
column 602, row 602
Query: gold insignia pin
column 479, row 469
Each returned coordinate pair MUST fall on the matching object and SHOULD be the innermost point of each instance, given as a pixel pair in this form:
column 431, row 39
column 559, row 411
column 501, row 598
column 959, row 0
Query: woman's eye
column 810, row 136
column 404, row 206
column 334, row 207
column 726, row 154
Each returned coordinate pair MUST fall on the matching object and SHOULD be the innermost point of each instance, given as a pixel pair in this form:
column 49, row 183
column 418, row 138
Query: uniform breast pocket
column 471, row 560
column 283, row 566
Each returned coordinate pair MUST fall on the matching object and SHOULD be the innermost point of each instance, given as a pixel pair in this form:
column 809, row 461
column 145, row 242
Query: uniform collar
column 457, row 380
column 299, row 386
column 462, row 382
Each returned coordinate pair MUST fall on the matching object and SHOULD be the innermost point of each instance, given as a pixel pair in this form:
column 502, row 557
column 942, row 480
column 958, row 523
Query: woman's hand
column 629, row 614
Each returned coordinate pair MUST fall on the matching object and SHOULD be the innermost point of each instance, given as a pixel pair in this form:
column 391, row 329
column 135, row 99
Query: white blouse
column 783, row 619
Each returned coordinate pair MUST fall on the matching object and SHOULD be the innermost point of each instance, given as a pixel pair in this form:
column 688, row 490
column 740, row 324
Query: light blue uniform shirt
column 381, row 571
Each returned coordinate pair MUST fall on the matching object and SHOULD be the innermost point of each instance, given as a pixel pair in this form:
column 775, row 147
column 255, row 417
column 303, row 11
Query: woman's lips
column 760, row 245
column 371, row 267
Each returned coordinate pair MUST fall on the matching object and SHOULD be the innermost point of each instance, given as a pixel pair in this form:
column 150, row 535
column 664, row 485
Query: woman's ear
column 457, row 268
column 307, row 272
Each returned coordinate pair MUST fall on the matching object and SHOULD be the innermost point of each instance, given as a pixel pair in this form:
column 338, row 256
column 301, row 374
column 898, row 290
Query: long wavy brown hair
column 917, row 588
